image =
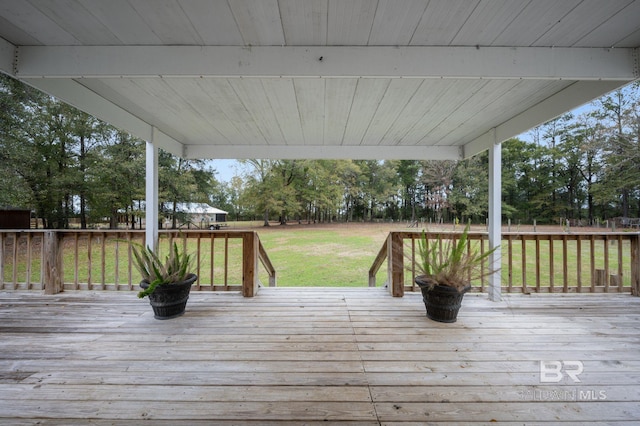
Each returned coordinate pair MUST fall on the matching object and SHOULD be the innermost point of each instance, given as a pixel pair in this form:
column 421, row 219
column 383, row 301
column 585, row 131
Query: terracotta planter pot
column 441, row 301
column 170, row 300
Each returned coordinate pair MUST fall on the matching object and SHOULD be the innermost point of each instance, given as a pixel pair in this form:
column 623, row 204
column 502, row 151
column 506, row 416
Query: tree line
column 68, row 167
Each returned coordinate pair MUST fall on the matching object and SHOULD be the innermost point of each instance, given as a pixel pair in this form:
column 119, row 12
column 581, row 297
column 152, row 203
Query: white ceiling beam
column 7, row 56
column 79, row 96
column 571, row 97
column 328, row 61
column 293, row 152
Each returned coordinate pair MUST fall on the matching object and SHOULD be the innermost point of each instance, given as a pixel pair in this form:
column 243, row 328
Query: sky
column 226, row 169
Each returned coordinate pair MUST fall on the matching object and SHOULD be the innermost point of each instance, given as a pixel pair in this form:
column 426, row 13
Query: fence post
column 52, row 263
column 635, row 265
column 250, row 244
column 395, row 257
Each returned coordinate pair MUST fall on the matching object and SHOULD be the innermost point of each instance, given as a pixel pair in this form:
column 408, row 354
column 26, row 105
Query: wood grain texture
column 316, row 356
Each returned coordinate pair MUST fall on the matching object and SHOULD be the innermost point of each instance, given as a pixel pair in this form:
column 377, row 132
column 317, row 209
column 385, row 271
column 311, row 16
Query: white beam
column 575, row 95
column 325, row 152
column 327, row 61
column 151, row 198
column 79, row 96
column 7, row 56
column 495, row 219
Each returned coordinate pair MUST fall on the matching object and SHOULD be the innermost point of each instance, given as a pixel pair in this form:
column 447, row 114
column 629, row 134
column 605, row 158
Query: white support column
column 151, row 234
column 495, row 219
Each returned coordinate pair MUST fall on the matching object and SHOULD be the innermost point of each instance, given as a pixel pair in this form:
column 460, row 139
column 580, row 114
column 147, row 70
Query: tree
column 437, row 180
column 618, row 113
column 37, row 148
column 408, row 172
column 259, row 192
column 116, row 177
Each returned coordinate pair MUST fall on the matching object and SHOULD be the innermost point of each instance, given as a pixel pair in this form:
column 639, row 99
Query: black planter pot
column 170, row 300
column 442, row 302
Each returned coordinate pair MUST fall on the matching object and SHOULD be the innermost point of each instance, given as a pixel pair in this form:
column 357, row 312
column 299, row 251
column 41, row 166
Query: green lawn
column 320, row 257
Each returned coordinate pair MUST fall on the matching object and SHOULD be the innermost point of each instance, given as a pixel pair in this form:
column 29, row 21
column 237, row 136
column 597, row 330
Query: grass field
column 324, row 255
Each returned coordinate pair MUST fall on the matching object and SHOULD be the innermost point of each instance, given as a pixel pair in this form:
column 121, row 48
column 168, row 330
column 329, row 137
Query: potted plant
column 166, row 281
column 446, row 270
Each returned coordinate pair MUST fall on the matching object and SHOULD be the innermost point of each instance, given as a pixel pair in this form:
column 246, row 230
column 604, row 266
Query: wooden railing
column 531, row 262
column 54, row 261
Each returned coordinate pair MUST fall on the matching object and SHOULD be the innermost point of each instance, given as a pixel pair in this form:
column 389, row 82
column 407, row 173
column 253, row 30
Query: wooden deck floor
column 349, row 356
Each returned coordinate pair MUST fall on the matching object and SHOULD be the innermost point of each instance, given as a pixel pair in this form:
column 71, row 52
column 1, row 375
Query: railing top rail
column 483, row 234
column 186, row 232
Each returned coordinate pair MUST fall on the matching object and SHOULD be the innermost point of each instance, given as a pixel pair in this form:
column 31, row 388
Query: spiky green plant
column 450, row 263
column 156, row 271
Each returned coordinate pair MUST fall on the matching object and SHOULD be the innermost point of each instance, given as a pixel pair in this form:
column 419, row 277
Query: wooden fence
column 531, row 262
column 54, row 261
column 230, row 260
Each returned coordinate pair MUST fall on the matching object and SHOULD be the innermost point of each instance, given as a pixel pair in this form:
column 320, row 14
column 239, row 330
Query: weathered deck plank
column 292, row 356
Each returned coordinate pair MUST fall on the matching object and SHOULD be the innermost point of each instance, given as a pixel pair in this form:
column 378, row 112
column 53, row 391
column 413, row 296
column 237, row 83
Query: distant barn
column 202, row 214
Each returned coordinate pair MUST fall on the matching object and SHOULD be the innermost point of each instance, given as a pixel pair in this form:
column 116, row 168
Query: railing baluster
column 213, row 261
column 226, row 261
column 523, row 260
column 510, row 263
column 565, row 267
column 592, row 256
column 579, row 264
column 552, row 271
column 199, row 245
column 15, row 260
column 620, row 268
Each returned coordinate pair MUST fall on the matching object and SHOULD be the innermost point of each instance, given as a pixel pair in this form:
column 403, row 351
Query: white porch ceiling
column 323, row 78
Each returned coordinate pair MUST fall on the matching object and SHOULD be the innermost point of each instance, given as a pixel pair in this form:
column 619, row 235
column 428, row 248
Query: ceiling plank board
column 535, row 20
column 259, row 22
column 613, row 31
column 339, row 93
column 441, row 22
column 393, row 25
column 478, row 103
column 310, row 99
column 573, row 27
column 282, row 98
column 457, row 94
column 226, row 115
column 349, row 22
column 213, row 21
column 486, row 22
column 304, row 22
column 369, row 92
column 123, row 21
column 492, row 115
column 252, row 95
column 414, row 120
column 197, row 114
column 395, row 99
column 37, row 24
column 236, row 112
column 168, row 21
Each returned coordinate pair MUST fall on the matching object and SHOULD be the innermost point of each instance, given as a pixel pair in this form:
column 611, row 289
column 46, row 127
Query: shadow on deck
column 318, row 355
